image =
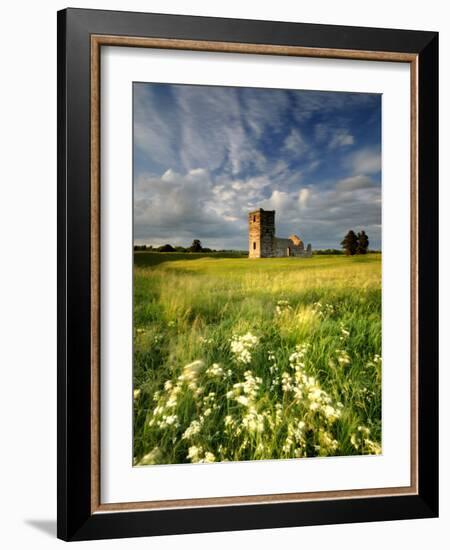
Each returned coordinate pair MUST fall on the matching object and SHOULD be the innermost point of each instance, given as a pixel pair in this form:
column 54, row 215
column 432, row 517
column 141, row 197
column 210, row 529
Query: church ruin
column 262, row 242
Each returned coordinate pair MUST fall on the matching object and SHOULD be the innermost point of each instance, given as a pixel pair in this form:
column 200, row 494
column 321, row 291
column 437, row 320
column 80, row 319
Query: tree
column 350, row 243
column 196, row 246
column 166, row 248
column 363, row 243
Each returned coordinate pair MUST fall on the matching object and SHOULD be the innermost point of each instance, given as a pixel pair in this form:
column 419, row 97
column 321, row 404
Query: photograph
column 257, row 289
column 247, row 273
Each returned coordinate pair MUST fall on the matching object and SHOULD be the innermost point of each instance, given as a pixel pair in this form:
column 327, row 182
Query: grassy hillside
column 238, row 359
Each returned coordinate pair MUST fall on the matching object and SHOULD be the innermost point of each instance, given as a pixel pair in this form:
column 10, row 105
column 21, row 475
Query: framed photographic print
column 247, row 255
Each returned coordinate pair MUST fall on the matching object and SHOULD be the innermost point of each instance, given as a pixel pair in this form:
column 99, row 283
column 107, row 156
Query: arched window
column 254, row 218
column 254, row 245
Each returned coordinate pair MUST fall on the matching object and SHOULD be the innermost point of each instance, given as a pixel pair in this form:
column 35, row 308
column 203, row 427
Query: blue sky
column 205, row 156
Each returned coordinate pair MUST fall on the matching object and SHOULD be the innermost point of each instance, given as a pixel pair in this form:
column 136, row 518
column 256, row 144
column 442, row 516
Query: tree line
column 196, row 246
column 355, row 243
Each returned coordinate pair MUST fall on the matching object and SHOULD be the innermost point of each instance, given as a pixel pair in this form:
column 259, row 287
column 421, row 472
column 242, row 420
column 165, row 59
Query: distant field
column 238, row 359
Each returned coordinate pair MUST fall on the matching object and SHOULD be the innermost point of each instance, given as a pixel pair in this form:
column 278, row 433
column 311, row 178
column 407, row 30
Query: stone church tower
column 261, row 233
column 262, row 242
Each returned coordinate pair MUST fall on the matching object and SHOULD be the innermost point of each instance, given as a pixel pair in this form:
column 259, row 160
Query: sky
column 204, row 156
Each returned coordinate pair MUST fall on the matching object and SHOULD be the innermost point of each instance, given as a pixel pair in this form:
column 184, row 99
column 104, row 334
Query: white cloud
column 354, row 182
column 303, row 196
column 365, row 161
column 279, row 201
column 341, row 138
column 295, row 143
column 333, row 137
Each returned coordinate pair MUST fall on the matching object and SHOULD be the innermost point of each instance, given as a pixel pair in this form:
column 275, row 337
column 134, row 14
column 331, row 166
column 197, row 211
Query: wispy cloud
column 365, row 161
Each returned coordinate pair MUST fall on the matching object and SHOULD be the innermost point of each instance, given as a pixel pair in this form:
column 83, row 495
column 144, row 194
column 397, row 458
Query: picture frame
column 81, row 36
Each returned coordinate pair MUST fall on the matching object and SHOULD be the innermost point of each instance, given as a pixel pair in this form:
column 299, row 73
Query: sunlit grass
column 238, row 359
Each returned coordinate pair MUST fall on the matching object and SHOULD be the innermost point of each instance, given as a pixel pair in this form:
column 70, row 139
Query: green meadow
column 238, row 359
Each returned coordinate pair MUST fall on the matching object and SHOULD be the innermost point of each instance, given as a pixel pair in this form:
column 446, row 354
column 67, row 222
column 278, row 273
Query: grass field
column 238, row 359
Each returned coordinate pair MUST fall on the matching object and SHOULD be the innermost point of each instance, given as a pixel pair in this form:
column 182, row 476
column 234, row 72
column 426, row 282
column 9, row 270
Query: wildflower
column 194, row 453
column 166, row 421
column 286, row 382
column 327, row 443
column 361, row 442
column 171, row 419
column 214, row 370
column 253, row 421
column 242, row 400
column 229, row 420
column 343, row 357
column 287, row 445
column 192, row 370
column 136, row 394
column 344, row 333
column 150, row 458
column 296, row 359
column 209, row 398
column 249, row 387
column 282, row 306
column 193, row 429
column 190, row 373
column 373, row 448
column 173, row 396
column 242, row 345
column 331, row 413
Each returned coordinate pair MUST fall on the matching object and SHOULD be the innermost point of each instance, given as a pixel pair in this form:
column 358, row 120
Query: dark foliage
column 350, row 243
column 166, row 248
column 196, row 246
column 363, row 243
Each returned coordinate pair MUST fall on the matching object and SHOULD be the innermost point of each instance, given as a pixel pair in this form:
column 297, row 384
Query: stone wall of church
column 286, row 247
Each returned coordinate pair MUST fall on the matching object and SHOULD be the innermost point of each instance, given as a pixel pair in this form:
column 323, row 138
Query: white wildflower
column 194, row 453
column 215, row 370
column 150, row 458
column 282, row 307
column 241, row 347
column 193, row 429
column 242, row 399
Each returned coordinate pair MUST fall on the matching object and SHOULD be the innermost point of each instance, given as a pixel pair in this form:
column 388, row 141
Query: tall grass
column 238, row 359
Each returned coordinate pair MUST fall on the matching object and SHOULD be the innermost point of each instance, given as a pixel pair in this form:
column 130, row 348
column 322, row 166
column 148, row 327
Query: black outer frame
column 75, row 521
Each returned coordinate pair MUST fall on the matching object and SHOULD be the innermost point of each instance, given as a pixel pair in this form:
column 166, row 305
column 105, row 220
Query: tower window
column 254, row 245
column 254, row 218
